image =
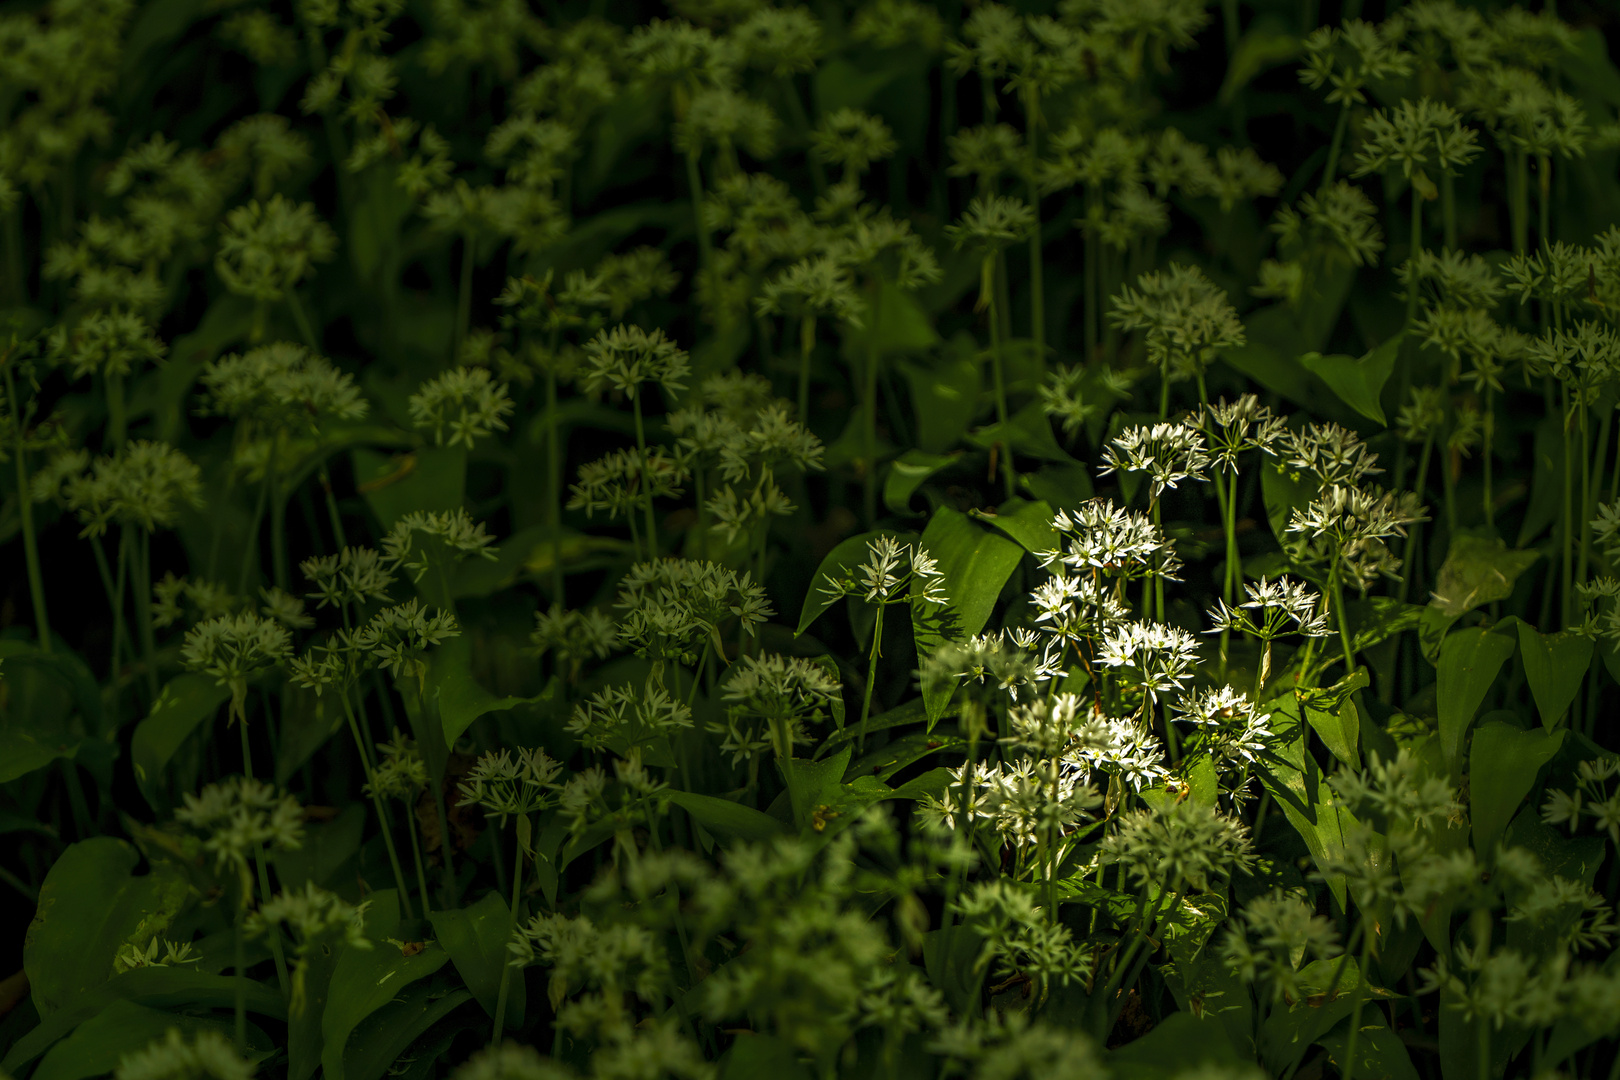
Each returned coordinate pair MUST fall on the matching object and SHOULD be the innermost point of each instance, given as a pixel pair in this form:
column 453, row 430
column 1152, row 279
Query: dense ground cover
column 849, row 540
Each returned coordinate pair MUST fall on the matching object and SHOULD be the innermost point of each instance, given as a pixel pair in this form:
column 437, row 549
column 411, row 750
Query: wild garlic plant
column 564, row 401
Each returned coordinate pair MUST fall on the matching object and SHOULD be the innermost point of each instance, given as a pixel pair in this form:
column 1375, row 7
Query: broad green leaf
column 839, row 563
column 1029, row 523
column 1554, row 666
column 433, row 478
column 380, row 1041
column 1060, row 484
column 951, row 958
column 812, row 784
column 902, row 751
column 909, row 712
column 1266, row 43
column 460, row 697
column 1379, row 618
column 308, row 721
column 1359, row 383
column 1332, row 713
column 66, row 669
column 1293, row 1026
column 156, row 987
column 184, row 702
column 976, row 563
column 1206, row 988
column 1295, row 780
column 895, row 323
column 726, row 819
column 907, row 473
column 1477, row 570
column 1179, row 1043
column 123, row 1027
column 944, row 395
column 475, row 937
column 364, row 980
column 1380, row 1053
column 90, row 905
column 325, row 848
column 1027, row 431
column 1502, row 767
column 27, row 747
column 1546, row 481
column 1574, row 857
column 1469, row 662
column 754, row 1057
column 1284, row 492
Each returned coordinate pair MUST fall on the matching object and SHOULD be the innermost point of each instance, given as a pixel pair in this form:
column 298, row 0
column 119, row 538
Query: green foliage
column 876, row 539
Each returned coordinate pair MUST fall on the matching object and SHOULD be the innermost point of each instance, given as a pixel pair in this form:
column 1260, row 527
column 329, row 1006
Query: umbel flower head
column 1185, row 318
column 397, row 637
column 235, row 648
column 627, row 356
column 239, row 815
column 280, row 385
column 421, row 536
column 206, row 1055
column 114, row 342
column 310, row 915
column 145, row 484
column 267, row 248
column 506, row 786
column 352, row 576
column 465, row 402
column 511, row 1061
column 891, row 573
column 401, row 773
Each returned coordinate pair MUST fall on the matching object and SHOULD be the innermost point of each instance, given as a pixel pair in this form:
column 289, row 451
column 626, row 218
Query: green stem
column 646, row 480
column 554, row 480
column 142, row 567
column 807, row 344
column 1037, row 289
column 241, row 978
column 25, row 505
column 469, row 253
column 305, row 328
column 1337, row 145
column 258, row 857
column 694, row 182
column 416, row 854
column 511, row 928
column 871, row 676
column 1093, row 301
column 117, row 413
column 1407, row 574
column 383, row 821
column 991, row 270
column 1349, row 1070
column 251, row 547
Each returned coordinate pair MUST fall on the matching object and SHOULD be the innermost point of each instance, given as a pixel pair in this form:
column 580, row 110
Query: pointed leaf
column 1478, row 570
column 475, row 937
column 364, row 980
column 726, row 819
column 976, row 562
column 1502, row 767
column 813, row 784
column 460, row 697
column 1359, row 383
column 1469, row 662
column 1554, row 665
column 90, row 905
